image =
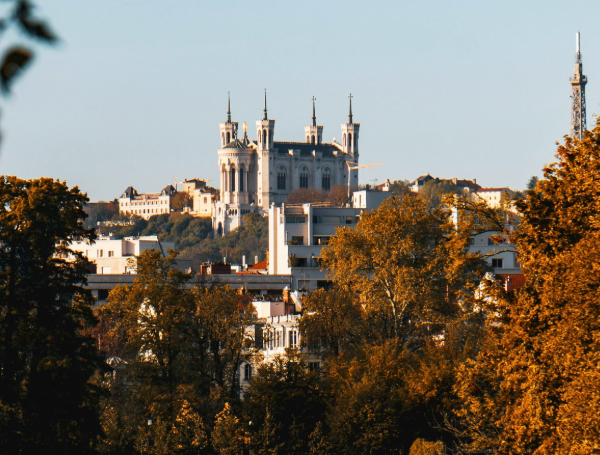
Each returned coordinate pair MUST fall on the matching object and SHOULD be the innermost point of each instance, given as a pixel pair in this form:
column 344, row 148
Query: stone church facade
column 254, row 174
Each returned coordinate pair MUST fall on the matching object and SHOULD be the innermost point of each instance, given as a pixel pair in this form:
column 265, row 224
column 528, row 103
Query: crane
column 354, row 166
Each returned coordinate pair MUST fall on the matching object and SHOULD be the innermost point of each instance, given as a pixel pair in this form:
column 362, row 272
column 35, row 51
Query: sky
column 134, row 92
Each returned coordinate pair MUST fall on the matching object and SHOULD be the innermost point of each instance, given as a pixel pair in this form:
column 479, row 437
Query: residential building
column 297, row 233
column 257, row 173
column 493, row 196
column 502, row 256
column 148, row 204
column 118, row 256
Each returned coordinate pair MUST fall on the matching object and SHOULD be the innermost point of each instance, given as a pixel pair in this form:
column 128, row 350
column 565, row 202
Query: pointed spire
column 350, row 111
column 314, row 117
column 228, row 108
column 266, row 117
column 578, row 49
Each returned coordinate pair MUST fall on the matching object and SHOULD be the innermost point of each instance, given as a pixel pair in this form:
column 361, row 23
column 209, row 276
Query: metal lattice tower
column 578, row 81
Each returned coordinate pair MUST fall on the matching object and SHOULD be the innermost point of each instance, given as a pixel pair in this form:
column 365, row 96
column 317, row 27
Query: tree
column 535, row 386
column 48, row 399
column 228, row 435
column 182, row 200
column 400, row 187
column 433, row 191
column 331, row 321
column 284, row 403
column 532, row 182
column 305, row 196
column 338, row 196
column 409, row 257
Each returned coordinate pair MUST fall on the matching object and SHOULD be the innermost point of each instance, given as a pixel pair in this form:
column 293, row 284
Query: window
column 228, row 137
column 490, row 241
column 233, row 180
column 471, row 241
column 312, row 139
column 296, row 240
column 102, row 294
column 247, row 372
column 281, row 179
column 497, row 263
column 321, row 239
column 205, row 200
column 111, row 254
column 326, row 181
column 349, row 220
column 241, row 180
column 293, row 339
column 304, row 180
column 99, row 253
column 295, row 219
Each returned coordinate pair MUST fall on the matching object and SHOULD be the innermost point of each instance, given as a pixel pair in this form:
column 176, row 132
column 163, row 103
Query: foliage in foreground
column 48, row 399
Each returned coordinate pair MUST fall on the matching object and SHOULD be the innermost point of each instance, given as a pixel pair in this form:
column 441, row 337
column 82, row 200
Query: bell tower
column 578, row 81
column 314, row 132
column 228, row 129
column 350, row 133
column 265, row 129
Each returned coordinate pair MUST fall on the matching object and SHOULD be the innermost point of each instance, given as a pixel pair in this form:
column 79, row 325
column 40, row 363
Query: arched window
column 312, row 140
column 304, row 178
column 344, row 139
column 241, row 179
column 326, row 180
column 349, row 140
column 228, row 137
column 247, row 372
column 264, row 138
column 281, row 174
column 222, row 139
column 232, row 180
column 307, row 138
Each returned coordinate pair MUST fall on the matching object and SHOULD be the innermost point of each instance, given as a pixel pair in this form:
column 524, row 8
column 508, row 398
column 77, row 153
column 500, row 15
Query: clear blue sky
column 135, row 91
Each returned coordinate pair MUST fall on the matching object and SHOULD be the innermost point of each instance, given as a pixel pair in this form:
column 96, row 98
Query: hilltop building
column 257, row 173
column 148, row 204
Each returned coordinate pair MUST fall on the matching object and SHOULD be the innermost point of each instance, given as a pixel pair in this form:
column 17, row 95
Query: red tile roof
column 262, row 265
column 515, row 280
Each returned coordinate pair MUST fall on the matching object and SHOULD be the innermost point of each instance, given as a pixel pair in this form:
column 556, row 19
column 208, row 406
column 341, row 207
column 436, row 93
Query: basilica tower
column 228, row 129
column 350, row 132
column 314, row 132
column 578, row 81
column 265, row 130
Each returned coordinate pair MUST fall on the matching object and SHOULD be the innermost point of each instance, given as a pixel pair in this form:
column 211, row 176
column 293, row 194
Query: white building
column 501, row 256
column 146, row 205
column 117, row 257
column 493, row 196
column 297, row 233
column 257, row 173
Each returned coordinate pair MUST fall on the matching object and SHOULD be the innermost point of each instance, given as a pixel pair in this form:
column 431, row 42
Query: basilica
column 256, row 173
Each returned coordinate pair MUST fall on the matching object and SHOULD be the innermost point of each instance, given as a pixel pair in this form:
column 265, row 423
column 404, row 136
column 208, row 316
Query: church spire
column 350, row 111
column 266, row 117
column 578, row 82
column 314, row 117
column 228, row 108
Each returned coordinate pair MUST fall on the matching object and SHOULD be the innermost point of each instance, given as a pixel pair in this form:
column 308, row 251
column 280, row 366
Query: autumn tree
column 331, row 321
column 535, row 386
column 48, row 401
column 182, row 200
column 408, row 257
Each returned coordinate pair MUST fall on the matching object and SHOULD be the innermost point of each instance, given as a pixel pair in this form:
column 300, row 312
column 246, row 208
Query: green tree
column 532, row 182
column 535, row 388
column 48, row 400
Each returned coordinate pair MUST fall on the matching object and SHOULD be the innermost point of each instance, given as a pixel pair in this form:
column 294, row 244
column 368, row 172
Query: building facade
column 297, row 234
column 257, row 173
column 146, row 205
